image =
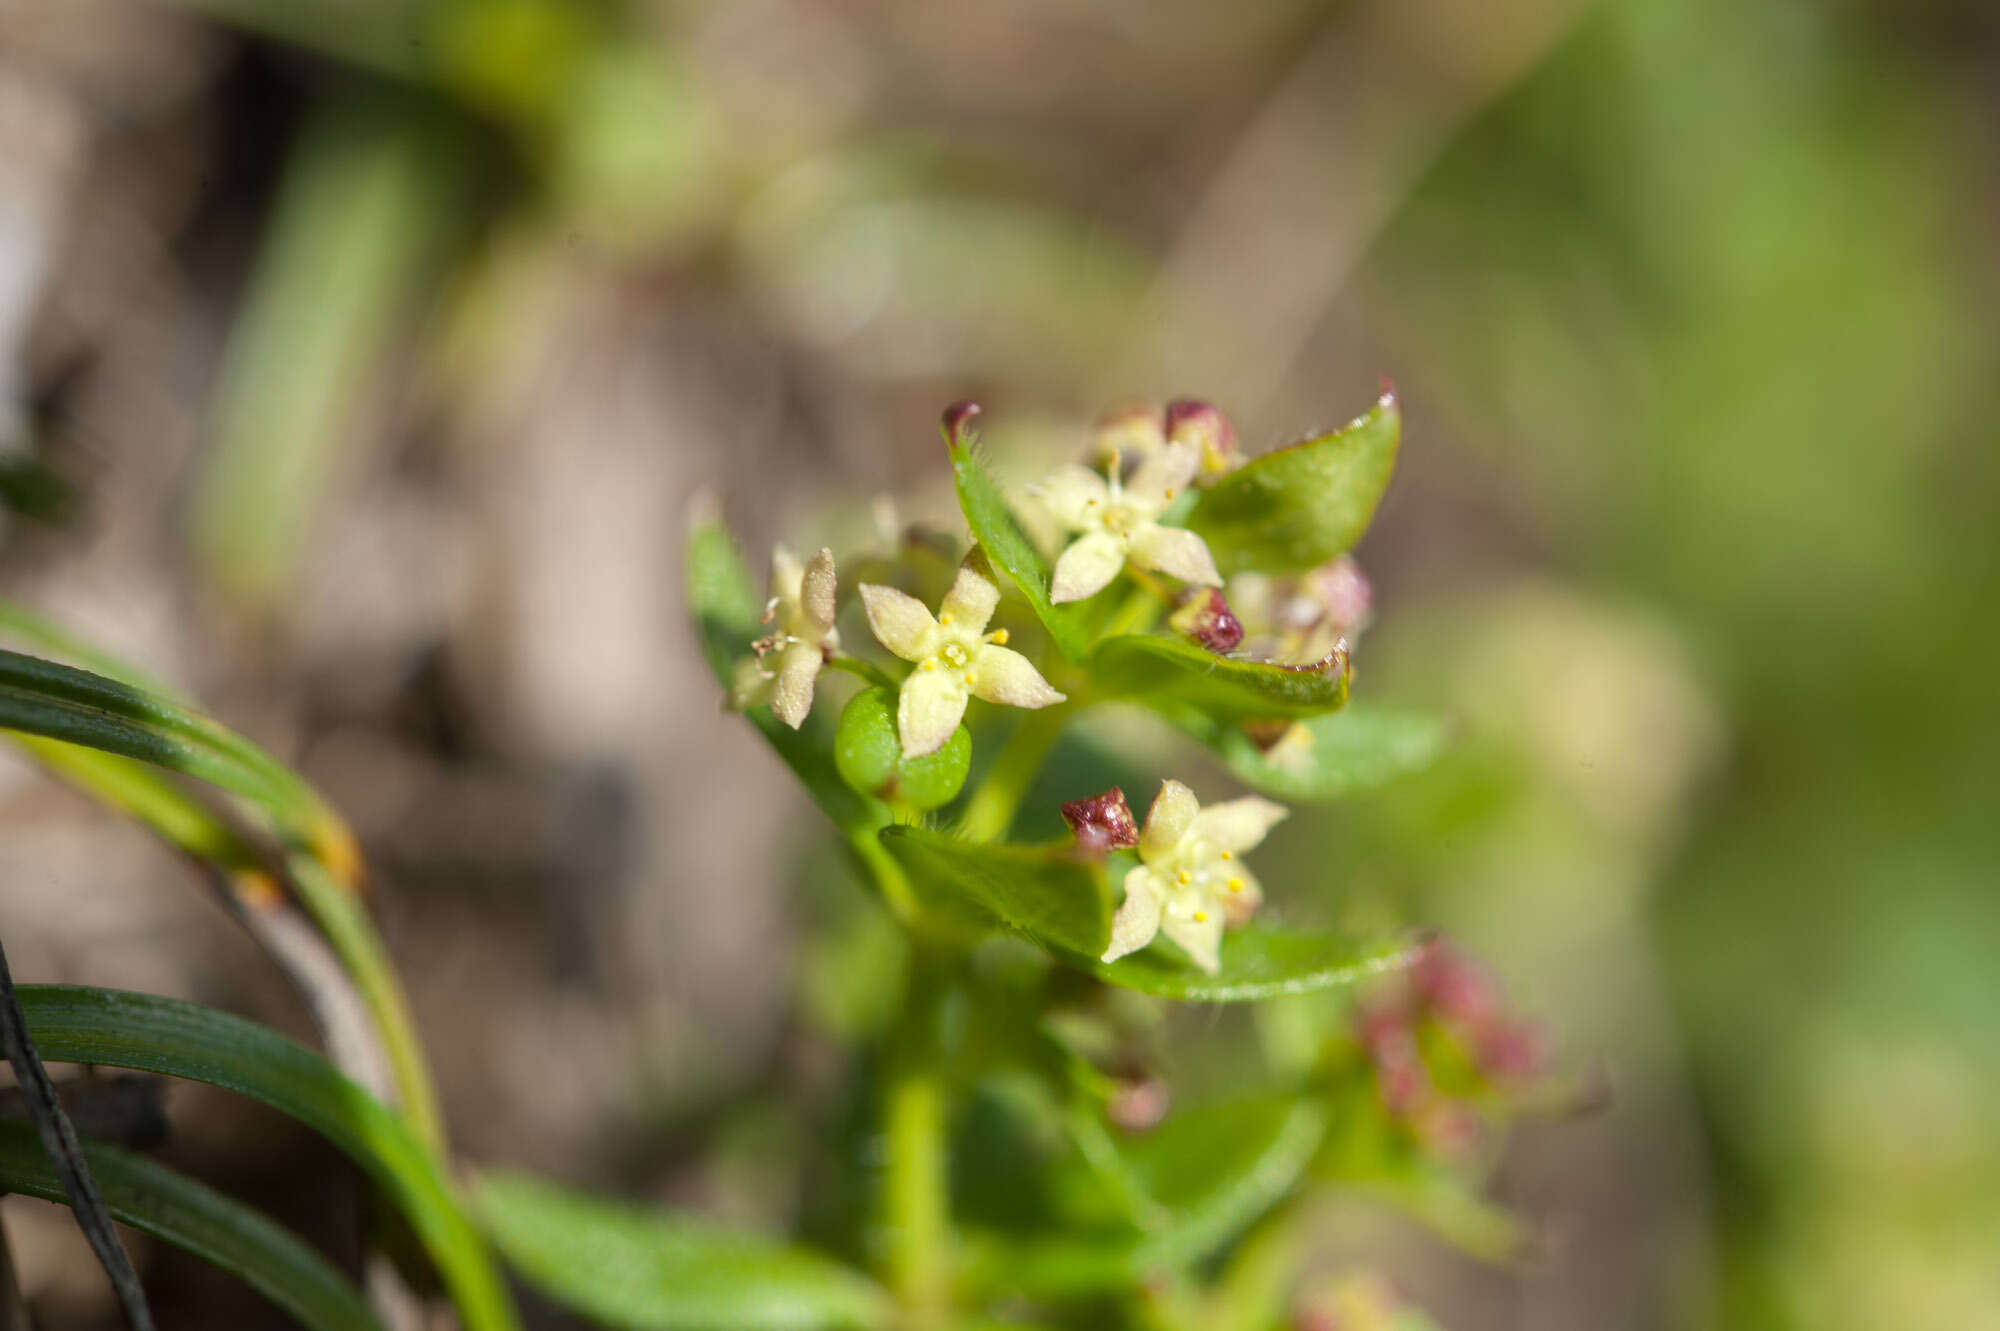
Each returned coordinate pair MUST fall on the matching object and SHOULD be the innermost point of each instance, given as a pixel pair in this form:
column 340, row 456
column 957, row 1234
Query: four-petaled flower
column 1119, row 521
column 1189, row 883
column 956, row 659
column 800, row 612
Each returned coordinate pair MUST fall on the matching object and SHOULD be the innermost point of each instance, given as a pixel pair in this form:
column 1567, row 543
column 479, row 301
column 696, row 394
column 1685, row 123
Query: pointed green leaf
column 1007, row 547
column 1213, row 1169
column 1259, row 963
column 1043, row 892
column 147, row 1033
column 1356, row 749
column 629, row 1267
column 1301, row 506
column 1190, row 683
column 728, row 612
column 157, row 1201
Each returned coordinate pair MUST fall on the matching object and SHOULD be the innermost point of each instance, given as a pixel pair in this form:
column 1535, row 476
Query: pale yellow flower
column 1189, row 883
column 788, row 660
column 1118, row 521
column 956, row 658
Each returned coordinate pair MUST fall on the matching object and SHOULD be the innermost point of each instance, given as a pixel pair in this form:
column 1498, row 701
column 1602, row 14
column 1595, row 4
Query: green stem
column 860, row 669
column 916, row 1204
column 990, row 811
column 341, row 917
column 1141, row 608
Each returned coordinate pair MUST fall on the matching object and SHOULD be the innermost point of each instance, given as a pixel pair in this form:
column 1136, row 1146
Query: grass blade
column 157, row 1201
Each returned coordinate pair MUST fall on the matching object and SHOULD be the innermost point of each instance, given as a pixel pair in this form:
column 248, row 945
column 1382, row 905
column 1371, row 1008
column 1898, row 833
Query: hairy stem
column 990, row 811
column 916, row 1203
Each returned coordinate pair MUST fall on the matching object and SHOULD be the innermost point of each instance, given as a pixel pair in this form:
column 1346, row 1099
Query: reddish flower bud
column 1138, row 1106
column 958, row 418
column 1198, row 424
column 1102, row 823
column 1206, row 618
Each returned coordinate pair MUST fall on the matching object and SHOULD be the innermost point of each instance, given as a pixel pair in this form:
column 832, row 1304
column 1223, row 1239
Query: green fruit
column 869, row 753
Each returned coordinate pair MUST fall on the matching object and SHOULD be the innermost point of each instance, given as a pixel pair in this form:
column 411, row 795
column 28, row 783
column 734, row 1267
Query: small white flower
column 956, row 659
column 1189, row 883
column 1119, row 521
column 801, row 611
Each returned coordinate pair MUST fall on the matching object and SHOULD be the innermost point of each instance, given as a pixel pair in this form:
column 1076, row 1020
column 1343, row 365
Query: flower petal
column 1173, row 813
column 786, row 571
column 1087, row 567
column 1175, row 551
column 816, row 595
column 1200, row 938
column 1076, row 496
column 899, row 620
column 1161, row 478
column 1240, row 896
column 1138, row 917
column 750, row 685
column 1237, row 825
column 1003, row 675
column 792, row 691
column 969, row 604
column 929, row 709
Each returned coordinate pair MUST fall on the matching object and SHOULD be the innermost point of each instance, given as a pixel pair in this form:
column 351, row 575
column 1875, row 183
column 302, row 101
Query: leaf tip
column 958, row 418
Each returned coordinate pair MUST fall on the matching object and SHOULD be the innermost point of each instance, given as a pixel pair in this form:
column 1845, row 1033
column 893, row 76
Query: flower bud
column 1198, row 424
column 1206, row 618
column 1102, row 823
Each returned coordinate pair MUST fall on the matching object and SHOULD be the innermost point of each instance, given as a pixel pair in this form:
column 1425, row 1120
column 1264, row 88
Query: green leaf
column 1042, row 892
column 625, row 1266
column 1260, row 963
column 147, row 1033
column 157, row 1201
column 1356, row 749
column 1189, row 683
column 61, row 702
column 1007, row 547
column 1301, row 506
column 728, row 611
column 1212, row 1170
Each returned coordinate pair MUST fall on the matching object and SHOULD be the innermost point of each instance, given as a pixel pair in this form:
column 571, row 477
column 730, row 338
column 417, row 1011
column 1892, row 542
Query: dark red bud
column 1102, row 823
column 1192, row 421
column 958, row 419
column 1206, row 618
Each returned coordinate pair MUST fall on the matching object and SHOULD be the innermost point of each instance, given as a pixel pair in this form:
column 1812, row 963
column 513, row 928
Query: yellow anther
column 1227, row 855
column 1201, row 917
column 1172, row 493
column 944, row 617
column 998, row 636
column 1236, row 885
column 968, row 679
column 1184, row 877
column 930, row 663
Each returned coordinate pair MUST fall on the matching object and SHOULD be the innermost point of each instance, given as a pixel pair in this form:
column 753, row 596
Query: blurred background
column 358, row 359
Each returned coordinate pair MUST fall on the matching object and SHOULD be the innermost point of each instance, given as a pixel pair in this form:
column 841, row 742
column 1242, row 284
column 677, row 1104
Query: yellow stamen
column 944, row 617
column 998, row 636
column 930, row 663
column 1184, row 877
column 1228, row 855
column 1236, row 885
column 1201, row 917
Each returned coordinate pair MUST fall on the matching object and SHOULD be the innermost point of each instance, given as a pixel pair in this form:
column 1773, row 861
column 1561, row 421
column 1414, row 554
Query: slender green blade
column 61, row 702
column 624, row 1266
column 157, row 1201
column 1301, row 506
column 1213, row 1169
column 1260, row 963
column 1043, row 892
column 1007, row 547
column 1190, row 683
column 147, row 1033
